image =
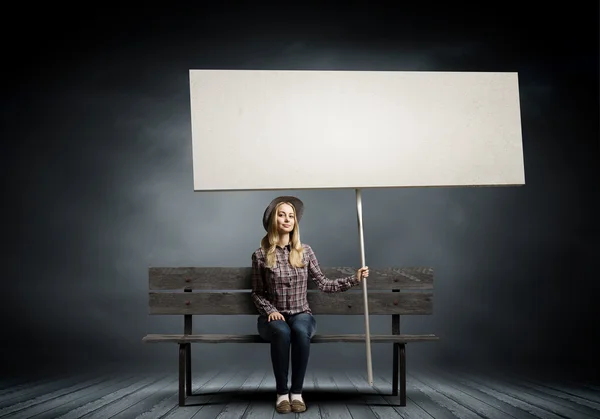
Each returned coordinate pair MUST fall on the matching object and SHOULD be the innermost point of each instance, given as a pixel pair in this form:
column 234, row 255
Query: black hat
column 297, row 203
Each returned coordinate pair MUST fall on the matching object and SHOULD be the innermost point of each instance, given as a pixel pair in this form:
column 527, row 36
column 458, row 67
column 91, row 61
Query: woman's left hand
column 362, row 273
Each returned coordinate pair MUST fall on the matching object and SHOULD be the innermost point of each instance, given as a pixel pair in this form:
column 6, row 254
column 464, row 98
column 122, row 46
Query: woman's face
column 285, row 219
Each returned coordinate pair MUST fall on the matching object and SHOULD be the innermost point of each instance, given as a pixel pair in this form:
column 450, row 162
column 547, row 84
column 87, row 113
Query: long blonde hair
column 270, row 240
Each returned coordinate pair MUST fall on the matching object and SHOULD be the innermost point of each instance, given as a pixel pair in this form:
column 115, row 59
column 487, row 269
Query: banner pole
column 364, row 285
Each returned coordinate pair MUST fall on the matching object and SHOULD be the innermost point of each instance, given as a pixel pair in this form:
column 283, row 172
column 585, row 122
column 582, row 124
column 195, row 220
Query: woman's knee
column 304, row 326
column 278, row 329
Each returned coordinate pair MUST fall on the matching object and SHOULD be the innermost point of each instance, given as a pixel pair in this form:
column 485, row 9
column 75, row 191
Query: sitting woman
column 280, row 271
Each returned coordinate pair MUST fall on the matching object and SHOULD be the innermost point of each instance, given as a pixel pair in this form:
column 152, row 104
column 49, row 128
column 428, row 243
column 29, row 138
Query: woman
column 280, row 271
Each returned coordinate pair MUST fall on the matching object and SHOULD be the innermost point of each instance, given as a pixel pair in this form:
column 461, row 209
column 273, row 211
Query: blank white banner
column 269, row 130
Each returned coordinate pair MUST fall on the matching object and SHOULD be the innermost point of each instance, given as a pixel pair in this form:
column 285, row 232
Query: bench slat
column 223, row 278
column 220, row 338
column 233, row 303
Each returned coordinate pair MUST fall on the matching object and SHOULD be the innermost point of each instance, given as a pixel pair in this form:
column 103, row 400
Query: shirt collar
column 287, row 246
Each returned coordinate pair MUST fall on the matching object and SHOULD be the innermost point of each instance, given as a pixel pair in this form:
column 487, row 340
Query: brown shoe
column 298, row 406
column 283, row 407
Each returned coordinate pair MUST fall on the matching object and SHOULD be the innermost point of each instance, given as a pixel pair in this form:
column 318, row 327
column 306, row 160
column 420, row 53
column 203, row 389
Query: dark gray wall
column 97, row 170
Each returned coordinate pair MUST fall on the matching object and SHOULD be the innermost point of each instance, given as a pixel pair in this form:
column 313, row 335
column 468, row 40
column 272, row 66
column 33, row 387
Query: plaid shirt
column 283, row 287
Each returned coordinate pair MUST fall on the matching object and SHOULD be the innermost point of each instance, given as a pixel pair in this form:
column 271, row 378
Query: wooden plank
column 233, row 303
column 454, row 406
column 505, row 398
column 223, row 338
column 31, row 390
column 380, row 406
column 237, row 407
column 470, row 393
column 262, row 405
column 124, row 403
column 199, row 381
column 150, row 399
column 64, row 404
column 460, row 403
column 354, row 402
column 521, row 384
column 581, row 391
column 313, row 398
column 11, row 384
column 228, row 403
column 211, row 395
column 109, row 399
column 219, row 401
column 15, row 406
column 549, row 404
column 240, row 278
column 331, row 407
column 416, row 396
column 556, row 395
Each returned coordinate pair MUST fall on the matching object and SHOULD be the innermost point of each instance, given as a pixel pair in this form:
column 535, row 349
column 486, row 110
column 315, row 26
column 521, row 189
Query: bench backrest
column 226, row 291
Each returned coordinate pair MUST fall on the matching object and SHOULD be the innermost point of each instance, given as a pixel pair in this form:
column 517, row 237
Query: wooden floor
column 237, row 393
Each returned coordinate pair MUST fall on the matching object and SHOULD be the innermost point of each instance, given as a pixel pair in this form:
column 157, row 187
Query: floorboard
column 62, row 405
column 548, row 406
column 584, row 391
column 469, row 394
column 239, row 393
column 571, row 402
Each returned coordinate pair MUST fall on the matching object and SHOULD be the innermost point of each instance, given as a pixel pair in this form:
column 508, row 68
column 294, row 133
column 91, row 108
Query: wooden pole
column 364, row 286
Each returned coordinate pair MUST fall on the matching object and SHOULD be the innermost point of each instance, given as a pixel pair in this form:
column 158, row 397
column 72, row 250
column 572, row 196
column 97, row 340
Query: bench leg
column 188, row 369
column 402, row 348
column 395, row 370
column 182, row 373
column 399, row 372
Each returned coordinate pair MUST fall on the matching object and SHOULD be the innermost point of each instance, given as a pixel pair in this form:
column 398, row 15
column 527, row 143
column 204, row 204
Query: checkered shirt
column 283, row 287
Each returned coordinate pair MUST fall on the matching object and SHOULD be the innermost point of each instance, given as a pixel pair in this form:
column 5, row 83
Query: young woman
column 280, row 271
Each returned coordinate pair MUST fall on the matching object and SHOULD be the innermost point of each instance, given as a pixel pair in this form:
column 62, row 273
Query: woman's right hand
column 275, row 316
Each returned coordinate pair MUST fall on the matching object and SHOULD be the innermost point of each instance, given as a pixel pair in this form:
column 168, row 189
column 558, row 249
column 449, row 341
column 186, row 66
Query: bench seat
column 222, row 338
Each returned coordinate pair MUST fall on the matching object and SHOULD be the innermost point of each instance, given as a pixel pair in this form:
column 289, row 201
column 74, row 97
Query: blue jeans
column 297, row 330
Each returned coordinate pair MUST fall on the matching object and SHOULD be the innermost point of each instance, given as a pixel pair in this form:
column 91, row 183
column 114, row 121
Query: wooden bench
column 171, row 292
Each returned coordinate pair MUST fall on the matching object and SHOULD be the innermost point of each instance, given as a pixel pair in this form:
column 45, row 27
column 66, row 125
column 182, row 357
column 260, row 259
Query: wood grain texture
column 233, row 303
column 238, row 390
column 224, row 338
column 222, row 278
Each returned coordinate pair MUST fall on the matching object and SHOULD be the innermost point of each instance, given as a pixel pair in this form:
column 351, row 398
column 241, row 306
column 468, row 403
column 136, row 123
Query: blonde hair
column 270, row 240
